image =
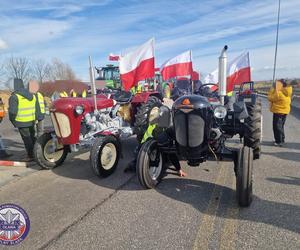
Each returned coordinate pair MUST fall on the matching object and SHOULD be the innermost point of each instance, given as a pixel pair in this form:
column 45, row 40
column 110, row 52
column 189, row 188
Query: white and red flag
column 238, row 71
column 113, row 57
column 180, row 65
column 137, row 65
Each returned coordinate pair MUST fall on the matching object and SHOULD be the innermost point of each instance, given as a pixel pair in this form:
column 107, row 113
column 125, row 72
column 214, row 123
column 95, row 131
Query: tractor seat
column 122, row 96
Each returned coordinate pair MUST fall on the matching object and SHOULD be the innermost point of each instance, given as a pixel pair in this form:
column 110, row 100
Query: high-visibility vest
column 26, row 109
column 148, row 132
column 230, row 93
column 73, row 94
column 41, row 102
column 139, row 88
column 133, row 90
column 83, row 93
column 63, row 94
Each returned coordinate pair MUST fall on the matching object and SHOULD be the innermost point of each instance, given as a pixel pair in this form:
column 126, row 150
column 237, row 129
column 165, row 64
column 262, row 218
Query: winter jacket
column 13, row 106
column 280, row 101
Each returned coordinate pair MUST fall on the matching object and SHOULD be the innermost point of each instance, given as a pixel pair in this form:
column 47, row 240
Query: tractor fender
column 144, row 96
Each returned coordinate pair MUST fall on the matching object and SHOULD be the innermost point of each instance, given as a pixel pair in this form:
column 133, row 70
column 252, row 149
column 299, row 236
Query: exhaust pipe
column 92, row 79
column 223, row 74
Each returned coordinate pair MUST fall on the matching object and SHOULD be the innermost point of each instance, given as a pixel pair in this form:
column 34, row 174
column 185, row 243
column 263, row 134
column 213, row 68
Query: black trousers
column 28, row 137
column 278, row 127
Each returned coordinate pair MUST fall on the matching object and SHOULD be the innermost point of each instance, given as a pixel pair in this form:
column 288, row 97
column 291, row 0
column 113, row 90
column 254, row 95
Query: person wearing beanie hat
column 22, row 114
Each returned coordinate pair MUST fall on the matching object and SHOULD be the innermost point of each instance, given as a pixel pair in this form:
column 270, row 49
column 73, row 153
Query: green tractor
column 111, row 75
column 164, row 87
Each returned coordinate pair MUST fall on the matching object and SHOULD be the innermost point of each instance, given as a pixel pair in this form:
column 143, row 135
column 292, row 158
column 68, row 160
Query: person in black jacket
column 22, row 113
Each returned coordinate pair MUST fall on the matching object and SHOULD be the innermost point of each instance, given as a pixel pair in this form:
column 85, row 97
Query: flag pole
column 276, row 45
column 192, row 82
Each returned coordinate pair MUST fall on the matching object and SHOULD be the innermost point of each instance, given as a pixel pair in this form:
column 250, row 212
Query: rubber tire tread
column 244, row 179
column 95, row 151
column 142, row 168
column 142, row 115
column 38, row 151
column 252, row 131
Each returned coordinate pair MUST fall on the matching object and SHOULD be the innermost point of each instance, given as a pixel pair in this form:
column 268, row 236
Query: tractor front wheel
column 105, row 155
column 244, row 172
column 150, row 166
column 48, row 152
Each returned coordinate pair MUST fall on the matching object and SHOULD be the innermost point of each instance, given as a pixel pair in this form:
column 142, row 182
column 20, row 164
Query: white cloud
column 3, row 44
column 72, row 30
column 25, row 32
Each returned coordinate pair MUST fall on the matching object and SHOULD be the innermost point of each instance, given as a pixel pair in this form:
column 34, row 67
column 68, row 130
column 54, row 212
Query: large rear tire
column 244, row 176
column 253, row 128
column 48, row 152
column 142, row 116
column 150, row 166
column 105, row 155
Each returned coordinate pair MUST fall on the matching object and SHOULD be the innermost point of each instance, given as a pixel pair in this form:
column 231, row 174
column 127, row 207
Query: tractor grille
column 196, row 130
column 61, row 124
column 189, row 129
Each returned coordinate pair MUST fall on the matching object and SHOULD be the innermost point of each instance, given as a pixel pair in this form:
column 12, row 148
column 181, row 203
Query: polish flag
column 238, row 71
column 113, row 57
column 137, row 65
column 180, row 65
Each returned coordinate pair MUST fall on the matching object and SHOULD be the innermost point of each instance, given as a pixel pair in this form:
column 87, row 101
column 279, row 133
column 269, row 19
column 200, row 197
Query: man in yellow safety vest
column 40, row 107
column 22, row 114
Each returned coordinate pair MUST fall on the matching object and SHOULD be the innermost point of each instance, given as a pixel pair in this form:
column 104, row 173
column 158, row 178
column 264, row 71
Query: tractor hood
column 87, row 103
column 191, row 102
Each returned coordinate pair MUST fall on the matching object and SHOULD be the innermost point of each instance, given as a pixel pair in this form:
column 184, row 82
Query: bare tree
column 18, row 67
column 41, row 70
column 61, row 71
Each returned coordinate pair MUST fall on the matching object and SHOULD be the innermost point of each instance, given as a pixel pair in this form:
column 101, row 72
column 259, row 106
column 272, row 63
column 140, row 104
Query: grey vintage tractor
column 197, row 128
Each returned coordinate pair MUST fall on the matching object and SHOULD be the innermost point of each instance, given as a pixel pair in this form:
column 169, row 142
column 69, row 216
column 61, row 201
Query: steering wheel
column 209, row 90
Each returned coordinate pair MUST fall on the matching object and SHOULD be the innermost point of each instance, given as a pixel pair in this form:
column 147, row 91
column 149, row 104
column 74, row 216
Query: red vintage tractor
column 77, row 124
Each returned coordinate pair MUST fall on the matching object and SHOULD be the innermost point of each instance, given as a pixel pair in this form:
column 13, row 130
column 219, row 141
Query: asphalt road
column 70, row 208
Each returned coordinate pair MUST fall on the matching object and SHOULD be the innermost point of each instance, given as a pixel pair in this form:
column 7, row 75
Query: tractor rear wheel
column 105, row 155
column 48, row 152
column 244, row 172
column 253, row 128
column 142, row 116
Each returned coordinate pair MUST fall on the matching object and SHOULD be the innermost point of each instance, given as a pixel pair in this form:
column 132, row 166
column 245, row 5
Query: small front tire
column 105, row 155
column 48, row 152
column 244, row 169
column 150, row 165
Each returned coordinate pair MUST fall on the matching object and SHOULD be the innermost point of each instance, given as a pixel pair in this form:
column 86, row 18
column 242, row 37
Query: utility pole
column 276, row 45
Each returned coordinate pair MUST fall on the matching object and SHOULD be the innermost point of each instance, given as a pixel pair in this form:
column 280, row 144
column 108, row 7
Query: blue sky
column 71, row 30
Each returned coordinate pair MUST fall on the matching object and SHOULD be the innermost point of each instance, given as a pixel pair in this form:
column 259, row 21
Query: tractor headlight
column 79, row 110
column 220, row 112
